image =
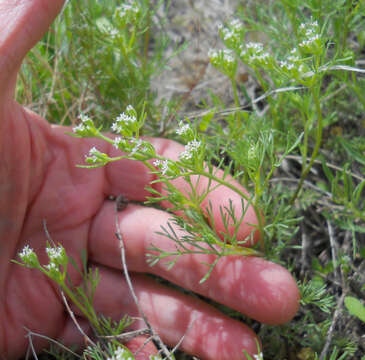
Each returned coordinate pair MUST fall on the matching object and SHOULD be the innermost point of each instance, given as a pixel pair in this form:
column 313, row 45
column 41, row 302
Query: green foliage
column 355, row 307
column 316, row 294
column 95, row 60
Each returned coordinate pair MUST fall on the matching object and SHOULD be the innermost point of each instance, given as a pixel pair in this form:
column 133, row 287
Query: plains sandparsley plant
column 190, row 165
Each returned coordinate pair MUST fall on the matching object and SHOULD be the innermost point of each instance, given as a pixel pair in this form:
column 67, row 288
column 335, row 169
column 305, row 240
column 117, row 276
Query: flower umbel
column 259, row 356
column 96, row 158
column 29, row 257
column 54, row 253
column 26, row 252
column 190, row 151
column 254, row 54
column 183, row 128
column 163, row 165
column 121, row 354
column 233, row 34
column 224, row 60
column 86, row 128
column 126, row 123
column 128, row 13
column 311, row 40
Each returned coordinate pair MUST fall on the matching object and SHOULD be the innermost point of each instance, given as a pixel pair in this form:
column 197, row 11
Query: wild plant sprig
column 82, row 297
column 192, row 167
column 56, row 270
column 304, row 65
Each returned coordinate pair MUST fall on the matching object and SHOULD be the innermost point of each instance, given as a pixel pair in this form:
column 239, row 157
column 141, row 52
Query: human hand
column 39, row 181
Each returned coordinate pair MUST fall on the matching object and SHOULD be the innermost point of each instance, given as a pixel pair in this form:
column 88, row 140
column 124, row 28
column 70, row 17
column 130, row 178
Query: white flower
column 190, row 148
column 228, row 56
column 52, row 267
column 236, row 25
column 117, row 141
column 85, row 125
column 123, row 120
column 119, row 355
column 183, row 128
column 162, row 164
column 93, row 152
column 263, row 57
column 79, row 128
column 123, row 117
column 128, row 10
column 84, row 118
column 138, row 144
column 255, row 46
column 221, row 55
column 287, row 65
column 54, row 253
column 313, row 24
column 26, row 252
column 227, row 34
column 310, row 41
column 259, row 356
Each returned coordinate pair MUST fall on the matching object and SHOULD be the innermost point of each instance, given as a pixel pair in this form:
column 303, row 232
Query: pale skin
column 39, row 181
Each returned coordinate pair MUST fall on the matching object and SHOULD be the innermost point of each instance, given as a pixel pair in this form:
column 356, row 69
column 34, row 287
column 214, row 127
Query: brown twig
column 128, row 335
column 155, row 337
column 332, row 327
column 72, row 315
column 333, row 245
column 31, row 333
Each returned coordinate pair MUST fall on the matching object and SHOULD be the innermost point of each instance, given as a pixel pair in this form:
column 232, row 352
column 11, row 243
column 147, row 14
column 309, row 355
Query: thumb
column 22, row 24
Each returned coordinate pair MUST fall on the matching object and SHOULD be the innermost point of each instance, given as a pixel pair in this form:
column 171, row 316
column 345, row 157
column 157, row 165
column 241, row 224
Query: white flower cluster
column 137, row 146
column 93, row 154
column 254, row 52
column 118, row 141
column 120, row 354
column 259, row 356
column 26, row 252
column 293, row 63
column 222, row 56
column 163, row 165
column 232, row 34
column 191, row 148
column 310, row 34
column 54, row 253
column 52, row 267
column 29, row 257
column 128, row 12
column 255, row 46
column 124, row 120
column 236, row 25
column 309, row 28
column 85, row 127
column 183, row 128
column 310, row 41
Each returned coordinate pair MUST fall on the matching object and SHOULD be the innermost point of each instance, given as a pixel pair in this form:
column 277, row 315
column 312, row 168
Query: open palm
column 40, row 182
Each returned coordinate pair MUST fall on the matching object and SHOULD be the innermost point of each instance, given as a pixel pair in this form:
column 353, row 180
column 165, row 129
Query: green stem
column 306, row 169
column 91, row 316
column 235, row 93
column 265, row 89
column 127, row 61
column 236, row 101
